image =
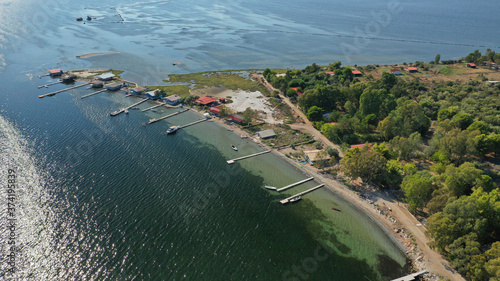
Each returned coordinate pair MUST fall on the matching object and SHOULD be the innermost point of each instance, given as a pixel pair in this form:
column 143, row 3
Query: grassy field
column 180, row 90
column 227, row 79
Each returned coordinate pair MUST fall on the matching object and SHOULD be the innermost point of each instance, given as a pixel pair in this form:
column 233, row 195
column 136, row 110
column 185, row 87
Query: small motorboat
column 89, row 18
column 295, row 199
column 270, row 187
column 172, row 130
column 126, row 111
column 79, row 19
column 234, row 148
column 338, row 210
column 154, row 110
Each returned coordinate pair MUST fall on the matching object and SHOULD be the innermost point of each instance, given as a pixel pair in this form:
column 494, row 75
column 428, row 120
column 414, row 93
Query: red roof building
column 235, row 117
column 55, row 72
column 330, row 73
column 356, row 73
column 412, row 69
column 205, row 100
column 298, row 92
column 471, row 65
column 215, row 110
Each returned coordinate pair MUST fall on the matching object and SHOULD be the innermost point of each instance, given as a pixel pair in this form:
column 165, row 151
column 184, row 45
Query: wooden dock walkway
column 63, row 90
column 127, row 108
column 294, row 184
column 248, row 156
column 286, row 200
column 192, row 123
column 154, row 106
column 50, row 84
column 94, row 93
column 411, row 277
column 151, row 121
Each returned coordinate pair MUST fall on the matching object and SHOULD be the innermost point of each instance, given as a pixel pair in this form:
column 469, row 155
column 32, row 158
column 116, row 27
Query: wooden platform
column 411, row 277
column 294, row 184
column 127, row 108
column 63, row 90
column 248, row 156
column 192, row 123
column 94, row 93
column 151, row 121
column 287, row 200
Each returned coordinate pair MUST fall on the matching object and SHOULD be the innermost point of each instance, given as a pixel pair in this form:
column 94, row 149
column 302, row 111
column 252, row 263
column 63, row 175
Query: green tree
column 291, row 93
column 409, row 117
column 376, row 101
column 248, row 115
column 460, row 180
column 447, row 113
column 437, row 59
column 462, row 120
column 315, row 113
column 223, row 111
column 492, row 264
column 366, row 164
column 418, row 189
column 333, row 152
column 479, row 126
column 462, row 250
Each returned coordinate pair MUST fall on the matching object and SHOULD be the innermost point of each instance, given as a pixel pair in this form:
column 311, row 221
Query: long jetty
column 50, row 84
column 151, row 121
column 63, row 90
column 287, row 200
column 127, row 108
column 294, row 184
column 248, row 156
column 192, row 123
column 154, row 106
column 411, row 277
column 94, row 93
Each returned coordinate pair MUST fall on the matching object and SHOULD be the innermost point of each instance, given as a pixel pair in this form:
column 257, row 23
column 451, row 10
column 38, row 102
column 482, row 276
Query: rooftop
column 173, row 98
column 105, row 76
column 266, row 134
column 205, row 100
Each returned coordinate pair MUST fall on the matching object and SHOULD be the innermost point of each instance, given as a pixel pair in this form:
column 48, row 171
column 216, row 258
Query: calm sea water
column 101, row 198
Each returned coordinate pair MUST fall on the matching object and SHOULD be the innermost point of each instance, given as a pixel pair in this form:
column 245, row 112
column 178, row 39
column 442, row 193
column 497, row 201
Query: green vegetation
column 229, row 79
column 433, row 140
column 116, row 72
column 180, row 90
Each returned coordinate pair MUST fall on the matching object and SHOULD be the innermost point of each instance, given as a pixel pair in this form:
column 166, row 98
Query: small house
column 172, row 99
column 471, row 65
column 412, row 69
column 137, row 91
column 222, row 100
column 396, row 72
column 55, row 72
column 357, row 73
column 298, row 92
column 266, row 134
column 153, row 95
column 205, row 100
column 236, row 118
column 108, row 76
column 114, row 86
column 488, row 63
column 215, row 110
column 313, row 156
column 331, row 73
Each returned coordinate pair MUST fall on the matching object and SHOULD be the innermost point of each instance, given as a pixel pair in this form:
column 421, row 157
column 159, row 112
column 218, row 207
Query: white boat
column 154, row 110
column 172, row 130
column 295, row 199
column 234, row 148
column 270, row 187
column 126, row 111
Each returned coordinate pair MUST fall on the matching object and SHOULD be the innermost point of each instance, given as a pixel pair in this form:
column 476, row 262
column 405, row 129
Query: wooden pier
column 114, row 113
column 50, row 84
column 411, row 277
column 192, row 123
column 287, row 200
column 248, row 156
column 151, row 121
column 154, row 106
column 294, row 184
column 94, row 93
column 63, row 90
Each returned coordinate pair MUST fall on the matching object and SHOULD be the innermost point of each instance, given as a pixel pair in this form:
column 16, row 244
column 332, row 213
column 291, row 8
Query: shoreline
column 374, row 206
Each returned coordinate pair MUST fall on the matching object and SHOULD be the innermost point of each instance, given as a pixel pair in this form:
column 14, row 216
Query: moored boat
column 338, row 210
column 234, row 148
column 172, row 130
column 295, row 199
column 270, row 187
